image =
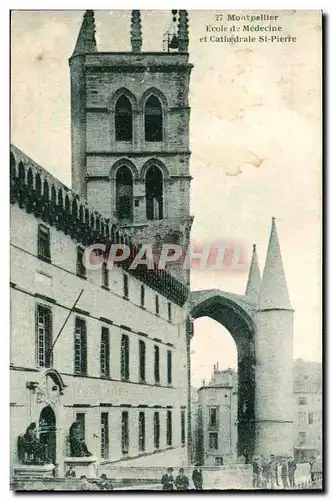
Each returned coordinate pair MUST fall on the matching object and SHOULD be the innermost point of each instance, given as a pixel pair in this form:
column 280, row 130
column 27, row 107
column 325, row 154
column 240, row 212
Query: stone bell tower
column 130, row 132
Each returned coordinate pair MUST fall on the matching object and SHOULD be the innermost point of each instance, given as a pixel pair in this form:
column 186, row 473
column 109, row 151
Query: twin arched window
column 153, row 119
column 153, row 193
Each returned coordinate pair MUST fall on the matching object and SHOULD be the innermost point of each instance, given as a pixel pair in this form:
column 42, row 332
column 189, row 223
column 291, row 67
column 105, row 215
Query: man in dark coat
column 104, row 483
column 168, row 480
column 181, row 481
column 70, row 472
column 197, row 477
column 291, row 472
column 284, row 473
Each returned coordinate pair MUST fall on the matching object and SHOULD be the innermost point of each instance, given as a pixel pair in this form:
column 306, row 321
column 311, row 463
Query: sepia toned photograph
column 165, row 250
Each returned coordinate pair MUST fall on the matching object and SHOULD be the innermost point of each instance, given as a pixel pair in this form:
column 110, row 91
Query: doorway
column 47, row 433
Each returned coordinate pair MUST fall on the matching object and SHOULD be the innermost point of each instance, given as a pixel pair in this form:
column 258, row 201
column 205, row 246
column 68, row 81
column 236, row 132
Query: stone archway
column 236, row 315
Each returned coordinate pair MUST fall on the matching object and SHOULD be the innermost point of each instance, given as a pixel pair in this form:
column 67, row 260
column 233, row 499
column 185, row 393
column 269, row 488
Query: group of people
column 103, row 483
column 181, row 481
column 266, row 472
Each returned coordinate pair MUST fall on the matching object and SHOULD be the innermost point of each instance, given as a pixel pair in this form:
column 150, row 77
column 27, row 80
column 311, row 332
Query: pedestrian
column 256, row 472
column 168, row 480
column 197, row 477
column 70, row 472
column 105, row 483
column 291, row 471
column 312, row 464
column 273, row 472
column 265, row 471
column 181, row 481
column 86, row 486
column 284, row 473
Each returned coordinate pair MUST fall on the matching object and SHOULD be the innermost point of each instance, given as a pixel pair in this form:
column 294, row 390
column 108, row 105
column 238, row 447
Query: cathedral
column 108, row 351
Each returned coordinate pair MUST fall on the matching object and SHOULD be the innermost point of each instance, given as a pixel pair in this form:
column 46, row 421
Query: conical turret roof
column 274, row 292
column 254, row 278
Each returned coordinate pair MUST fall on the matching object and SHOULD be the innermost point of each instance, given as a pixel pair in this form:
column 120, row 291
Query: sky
column 255, row 137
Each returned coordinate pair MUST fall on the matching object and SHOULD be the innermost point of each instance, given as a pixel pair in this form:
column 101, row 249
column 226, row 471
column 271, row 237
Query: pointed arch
column 123, row 106
column 21, row 172
column 155, row 162
column 38, row 185
column 74, row 209
column 124, row 193
column 153, row 120
column 60, row 199
column 154, row 193
column 119, row 163
column 53, row 194
column 153, row 105
column 30, row 180
column 46, row 192
column 12, row 165
column 123, row 119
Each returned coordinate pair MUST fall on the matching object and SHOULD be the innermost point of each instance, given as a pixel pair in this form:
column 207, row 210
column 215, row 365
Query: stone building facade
column 215, row 414
column 107, row 348
column 308, row 400
column 119, row 364
column 216, row 434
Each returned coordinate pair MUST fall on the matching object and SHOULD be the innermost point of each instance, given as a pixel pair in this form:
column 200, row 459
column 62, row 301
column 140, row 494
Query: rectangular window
column 125, row 286
column 302, row 418
column 105, row 276
column 213, row 417
column 213, row 440
column 125, row 433
column 105, row 352
column 104, row 443
column 310, row 418
column 156, row 430
column 80, row 267
column 157, row 304
column 43, row 336
column 183, row 427
column 141, row 348
column 169, row 430
column 80, row 418
column 302, row 400
column 169, row 306
column 124, row 357
column 141, row 431
column 156, row 364
column 142, row 296
column 169, row 367
column 44, row 243
column 80, row 361
column 302, row 438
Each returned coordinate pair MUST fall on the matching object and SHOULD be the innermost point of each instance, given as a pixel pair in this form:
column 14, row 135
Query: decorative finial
column 136, row 31
column 273, row 220
column 86, row 41
column 254, row 247
column 183, row 33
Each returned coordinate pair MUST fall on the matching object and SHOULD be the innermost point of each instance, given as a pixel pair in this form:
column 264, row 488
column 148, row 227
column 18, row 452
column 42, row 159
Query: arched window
column 123, row 119
column 124, row 194
column 154, row 193
column 153, row 120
